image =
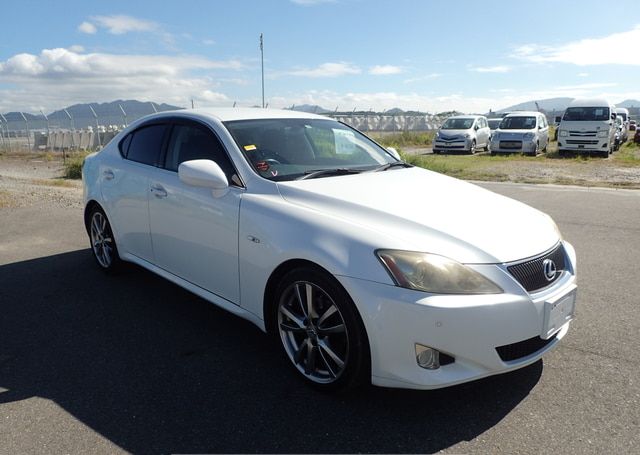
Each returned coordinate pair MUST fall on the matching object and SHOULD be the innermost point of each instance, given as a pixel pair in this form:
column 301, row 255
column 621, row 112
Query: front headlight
column 603, row 133
column 528, row 136
column 467, row 135
column 495, row 136
column 563, row 133
column 434, row 273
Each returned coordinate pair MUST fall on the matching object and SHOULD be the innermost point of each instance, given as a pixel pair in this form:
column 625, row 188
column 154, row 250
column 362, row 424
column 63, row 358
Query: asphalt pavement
column 91, row 363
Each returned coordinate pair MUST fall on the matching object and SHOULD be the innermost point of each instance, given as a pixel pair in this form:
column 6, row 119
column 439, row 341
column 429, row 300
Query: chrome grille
column 530, row 274
column 582, row 141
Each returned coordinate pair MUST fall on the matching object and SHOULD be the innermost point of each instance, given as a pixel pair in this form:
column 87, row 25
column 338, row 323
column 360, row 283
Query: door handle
column 158, row 191
column 108, row 174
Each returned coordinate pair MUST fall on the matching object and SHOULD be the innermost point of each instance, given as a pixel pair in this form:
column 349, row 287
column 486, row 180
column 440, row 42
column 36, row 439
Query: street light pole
column 262, row 65
column 124, row 114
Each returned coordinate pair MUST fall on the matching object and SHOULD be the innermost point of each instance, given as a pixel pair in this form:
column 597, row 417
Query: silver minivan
column 521, row 132
column 466, row 133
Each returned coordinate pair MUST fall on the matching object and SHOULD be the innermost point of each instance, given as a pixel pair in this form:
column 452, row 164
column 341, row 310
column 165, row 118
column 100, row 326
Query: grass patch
column 5, row 200
column 73, row 166
column 53, row 182
column 406, row 139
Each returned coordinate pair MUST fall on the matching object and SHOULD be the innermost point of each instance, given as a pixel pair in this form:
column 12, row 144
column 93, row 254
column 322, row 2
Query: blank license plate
column 557, row 313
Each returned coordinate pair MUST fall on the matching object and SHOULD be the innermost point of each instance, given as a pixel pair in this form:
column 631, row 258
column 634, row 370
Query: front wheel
column 320, row 329
column 472, row 148
column 103, row 244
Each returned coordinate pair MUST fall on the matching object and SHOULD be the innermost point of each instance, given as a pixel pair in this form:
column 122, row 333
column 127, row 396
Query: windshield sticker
column 250, row 147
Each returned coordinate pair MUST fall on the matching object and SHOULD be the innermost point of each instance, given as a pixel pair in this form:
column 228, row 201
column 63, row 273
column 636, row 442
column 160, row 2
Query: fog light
column 427, row 357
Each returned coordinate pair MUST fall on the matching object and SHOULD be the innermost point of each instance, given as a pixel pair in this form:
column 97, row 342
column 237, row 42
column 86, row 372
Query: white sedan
column 363, row 267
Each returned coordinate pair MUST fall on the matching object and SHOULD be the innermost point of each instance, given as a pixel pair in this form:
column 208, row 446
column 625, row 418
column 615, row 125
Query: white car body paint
column 225, row 247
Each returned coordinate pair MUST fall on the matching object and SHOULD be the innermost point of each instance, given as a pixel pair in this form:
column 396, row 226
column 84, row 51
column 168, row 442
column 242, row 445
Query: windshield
column 286, row 149
column 518, row 123
column 494, row 123
column 458, row 124
column 623, row 115
column 583, row 114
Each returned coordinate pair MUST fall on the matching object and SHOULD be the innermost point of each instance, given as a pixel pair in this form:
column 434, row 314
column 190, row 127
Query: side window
column 194, row 143
column 124, row 145
column 146, row 144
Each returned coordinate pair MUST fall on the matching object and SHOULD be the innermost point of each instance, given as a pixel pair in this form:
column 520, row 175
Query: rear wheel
column 320, row 329
column 103, row 244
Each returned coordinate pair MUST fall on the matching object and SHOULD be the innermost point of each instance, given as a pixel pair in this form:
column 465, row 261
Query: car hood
column 454, row 132
column 419, row 210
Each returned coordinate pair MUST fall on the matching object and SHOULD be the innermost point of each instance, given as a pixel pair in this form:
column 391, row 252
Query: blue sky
column 423, row 55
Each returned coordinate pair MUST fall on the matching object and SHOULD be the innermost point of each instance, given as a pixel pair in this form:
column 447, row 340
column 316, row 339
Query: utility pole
column 153, row 106
column 262, row 65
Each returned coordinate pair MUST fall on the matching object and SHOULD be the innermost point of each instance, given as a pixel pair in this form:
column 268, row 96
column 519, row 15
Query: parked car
column 521, row 132
column 632, row 125
column 463, row 133
column 621, row 133
column 636, row 136
column 622, row 122
column 363, row 267
column 588, row 126
column 494, row 123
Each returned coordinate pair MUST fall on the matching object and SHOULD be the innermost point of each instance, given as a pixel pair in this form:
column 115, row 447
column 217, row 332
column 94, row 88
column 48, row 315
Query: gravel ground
column 31, row 182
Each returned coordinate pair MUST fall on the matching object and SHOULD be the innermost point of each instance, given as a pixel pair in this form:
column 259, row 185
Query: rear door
column 125, row 188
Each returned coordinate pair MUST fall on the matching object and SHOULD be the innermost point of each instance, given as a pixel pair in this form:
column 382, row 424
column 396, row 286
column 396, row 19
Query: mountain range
column 558, row 105
column 107, row 113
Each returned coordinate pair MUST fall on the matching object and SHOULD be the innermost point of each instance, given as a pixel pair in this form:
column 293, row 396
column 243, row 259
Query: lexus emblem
column 549, row 268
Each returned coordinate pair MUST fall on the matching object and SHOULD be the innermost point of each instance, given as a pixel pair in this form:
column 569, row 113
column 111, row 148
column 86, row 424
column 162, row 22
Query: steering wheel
column 272, row 157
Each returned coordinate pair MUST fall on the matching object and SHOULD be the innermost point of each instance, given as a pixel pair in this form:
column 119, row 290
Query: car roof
column 225, row 114
column 473, row 116
column 523, row 114
column 590, row 102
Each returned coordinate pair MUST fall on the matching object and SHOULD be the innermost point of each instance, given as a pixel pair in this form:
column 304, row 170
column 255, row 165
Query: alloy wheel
column 101, row 239
column 313, row 332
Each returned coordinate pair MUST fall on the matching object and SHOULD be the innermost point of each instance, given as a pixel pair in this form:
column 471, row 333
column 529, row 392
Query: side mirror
column 394, row 153
column 203, row 173
column 476, row 127
column 558, row 119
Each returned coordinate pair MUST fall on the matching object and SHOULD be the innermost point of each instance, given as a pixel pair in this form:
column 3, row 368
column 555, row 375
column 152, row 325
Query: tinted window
column 580, row 114
column 146, row 144
column 196, row 143
column 124, row 145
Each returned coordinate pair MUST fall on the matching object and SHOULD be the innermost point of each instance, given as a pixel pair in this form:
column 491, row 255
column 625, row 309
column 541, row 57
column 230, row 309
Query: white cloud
column 426, row 77
column 383, row 70
column 583, row 74
column 120, row 24
column 311, row 2
column 60, row 77
column 491, row 69
column 327, row 70
column 607, row 50
column 88, row 28
column 76, row 48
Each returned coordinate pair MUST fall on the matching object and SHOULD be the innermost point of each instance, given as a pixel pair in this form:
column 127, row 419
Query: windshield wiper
column 388, row 166
column 328, row 172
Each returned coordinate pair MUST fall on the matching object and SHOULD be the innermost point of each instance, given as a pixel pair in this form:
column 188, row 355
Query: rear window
column 146, row 144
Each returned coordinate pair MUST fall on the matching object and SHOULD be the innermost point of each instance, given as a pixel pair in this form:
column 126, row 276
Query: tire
column 325, row 339
column 102, row 241
column 472, row 149
column 535, row 151
column 487, row 147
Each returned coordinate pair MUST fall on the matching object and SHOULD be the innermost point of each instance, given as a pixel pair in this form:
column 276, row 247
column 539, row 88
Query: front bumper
column 513, row 146
column 467, row 327
column 439, row 145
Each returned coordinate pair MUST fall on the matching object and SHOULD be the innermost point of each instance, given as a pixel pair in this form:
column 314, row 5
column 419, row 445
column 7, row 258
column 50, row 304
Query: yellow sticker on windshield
column 249, row 147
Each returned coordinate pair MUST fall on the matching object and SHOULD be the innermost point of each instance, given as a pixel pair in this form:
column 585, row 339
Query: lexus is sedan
column 361, row 267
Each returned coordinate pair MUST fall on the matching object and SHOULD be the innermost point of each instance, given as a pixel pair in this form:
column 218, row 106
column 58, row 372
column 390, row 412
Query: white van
column 623, row 114
column 588, row 126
